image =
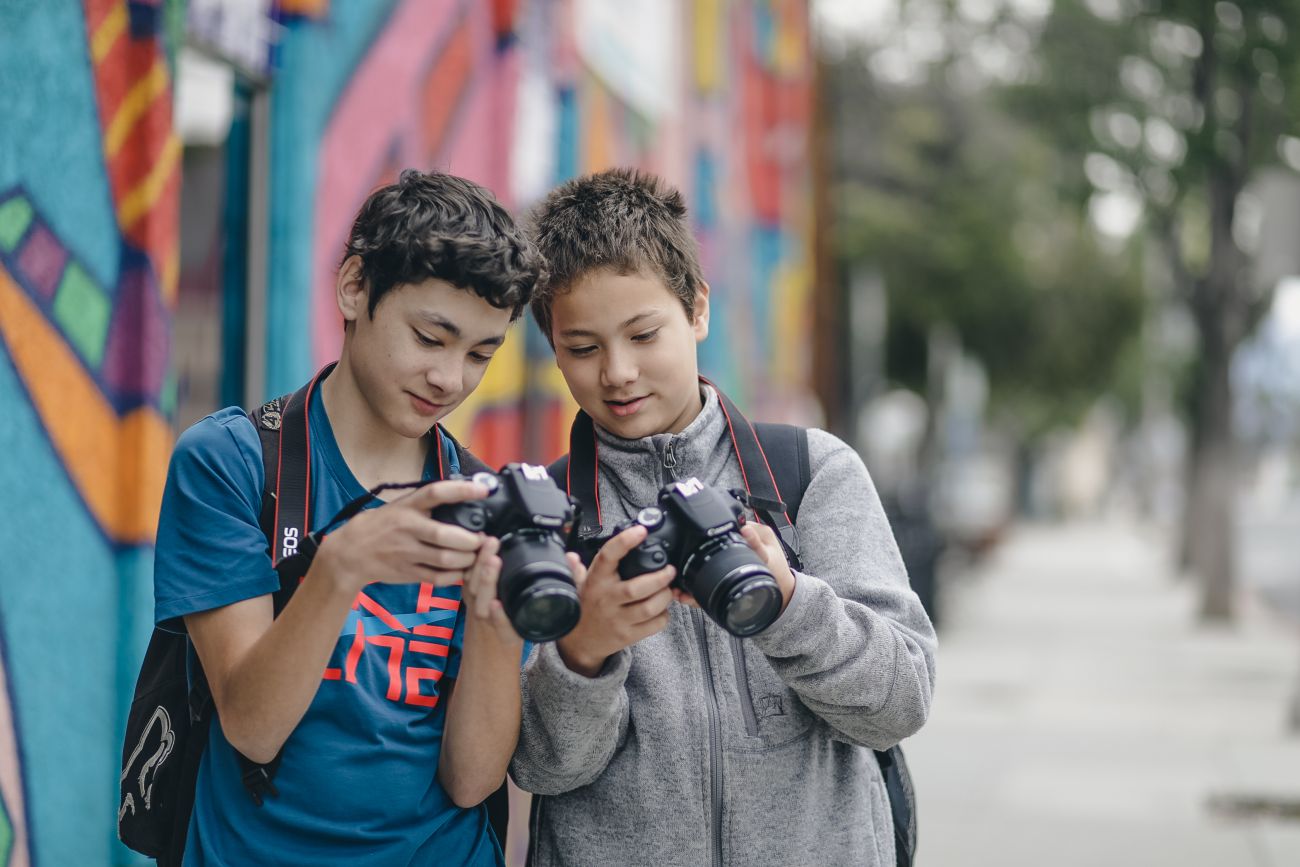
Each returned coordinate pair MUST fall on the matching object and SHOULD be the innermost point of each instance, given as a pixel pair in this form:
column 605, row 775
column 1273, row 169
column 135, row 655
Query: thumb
column 754, row 537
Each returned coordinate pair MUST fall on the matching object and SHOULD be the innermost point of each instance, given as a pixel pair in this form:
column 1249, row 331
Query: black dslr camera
column 695, row 528
column 534, row 520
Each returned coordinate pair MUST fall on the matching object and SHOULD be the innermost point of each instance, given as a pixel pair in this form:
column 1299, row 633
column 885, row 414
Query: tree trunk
column 1211, row 510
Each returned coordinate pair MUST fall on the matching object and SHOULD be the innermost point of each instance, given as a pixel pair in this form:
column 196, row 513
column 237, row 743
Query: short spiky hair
column 431, row 224
column 623, row 219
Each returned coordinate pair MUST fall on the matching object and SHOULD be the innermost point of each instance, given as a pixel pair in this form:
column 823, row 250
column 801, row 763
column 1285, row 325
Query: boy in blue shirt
column 389, row 691
column 650, row 735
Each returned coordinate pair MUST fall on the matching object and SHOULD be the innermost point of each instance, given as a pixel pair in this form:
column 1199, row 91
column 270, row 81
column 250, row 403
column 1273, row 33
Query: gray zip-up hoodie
column 696, row 748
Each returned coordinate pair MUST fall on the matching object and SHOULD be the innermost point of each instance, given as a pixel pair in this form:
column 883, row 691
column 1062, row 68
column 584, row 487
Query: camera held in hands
column 534, row 520
column 695, row 528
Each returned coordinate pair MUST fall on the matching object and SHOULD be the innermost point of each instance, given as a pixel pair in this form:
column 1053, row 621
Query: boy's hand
column 615, row 613
column 483, row 610
column 763, row 540
column 398, row 543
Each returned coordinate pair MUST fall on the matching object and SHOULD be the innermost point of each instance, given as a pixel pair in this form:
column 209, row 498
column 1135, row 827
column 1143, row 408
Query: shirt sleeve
column 854, row 642
column 211, row 550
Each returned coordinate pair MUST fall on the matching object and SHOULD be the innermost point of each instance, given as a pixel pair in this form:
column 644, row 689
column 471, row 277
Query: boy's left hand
column 767, row 546
column 763, row 540
column 479, row 595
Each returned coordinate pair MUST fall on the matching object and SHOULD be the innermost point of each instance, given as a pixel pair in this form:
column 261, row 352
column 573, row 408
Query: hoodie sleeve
column 854, row 643
column 571, row 724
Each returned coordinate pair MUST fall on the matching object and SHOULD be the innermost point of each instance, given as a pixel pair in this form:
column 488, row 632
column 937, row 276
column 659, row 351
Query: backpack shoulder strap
column 578, row 474
column 559, row 472
column 283, row 430
column 760, row 479
column 786, row 447
column 285, row 518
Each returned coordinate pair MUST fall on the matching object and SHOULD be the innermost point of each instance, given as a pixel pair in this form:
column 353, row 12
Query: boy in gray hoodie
column 650, row 735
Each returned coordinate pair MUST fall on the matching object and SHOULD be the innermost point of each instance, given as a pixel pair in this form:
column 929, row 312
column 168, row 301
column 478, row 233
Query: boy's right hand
column 615, row 613
column 398, row 543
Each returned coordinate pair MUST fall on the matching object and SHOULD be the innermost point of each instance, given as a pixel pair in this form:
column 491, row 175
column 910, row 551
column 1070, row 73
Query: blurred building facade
column 176, row 183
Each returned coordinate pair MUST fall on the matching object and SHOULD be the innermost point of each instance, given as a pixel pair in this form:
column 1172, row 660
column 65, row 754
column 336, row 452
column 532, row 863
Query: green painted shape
column 15, row 216
column 6, row 834
column 83, row 310
column 167, row 400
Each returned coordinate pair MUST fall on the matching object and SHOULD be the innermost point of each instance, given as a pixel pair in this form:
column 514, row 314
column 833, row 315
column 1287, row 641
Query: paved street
column 1081, row 717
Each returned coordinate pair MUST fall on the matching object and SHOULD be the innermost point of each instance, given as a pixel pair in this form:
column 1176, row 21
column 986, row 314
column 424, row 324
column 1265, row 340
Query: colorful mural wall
column 522, row 95
column 517, row 94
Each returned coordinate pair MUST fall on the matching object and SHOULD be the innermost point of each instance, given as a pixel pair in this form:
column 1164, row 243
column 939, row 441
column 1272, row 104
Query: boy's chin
column 634, row 427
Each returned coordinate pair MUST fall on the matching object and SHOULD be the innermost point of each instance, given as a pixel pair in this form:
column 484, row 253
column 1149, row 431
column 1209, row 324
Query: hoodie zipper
column 715, row 740
column 670, row 461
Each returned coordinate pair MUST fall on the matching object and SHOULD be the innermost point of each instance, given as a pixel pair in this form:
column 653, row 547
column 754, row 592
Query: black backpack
column 775, row 465
column 172, row 708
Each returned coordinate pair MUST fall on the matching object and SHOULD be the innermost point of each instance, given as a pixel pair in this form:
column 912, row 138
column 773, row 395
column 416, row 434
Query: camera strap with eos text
column 172, row 707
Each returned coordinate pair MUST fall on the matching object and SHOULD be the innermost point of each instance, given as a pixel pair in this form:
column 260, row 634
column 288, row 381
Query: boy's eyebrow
column 580, row 332
column 454, row 330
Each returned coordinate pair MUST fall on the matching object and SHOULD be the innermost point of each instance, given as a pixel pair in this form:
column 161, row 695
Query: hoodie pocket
column 773, row 715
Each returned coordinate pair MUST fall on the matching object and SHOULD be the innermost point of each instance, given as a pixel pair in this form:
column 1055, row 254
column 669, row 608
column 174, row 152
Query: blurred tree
column 955, row 204
column 1175, row 106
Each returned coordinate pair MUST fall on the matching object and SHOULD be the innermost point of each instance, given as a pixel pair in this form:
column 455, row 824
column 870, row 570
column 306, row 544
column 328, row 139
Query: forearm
column 264, row 672
column 571, row 724
column 867, row 675
column 482, row 716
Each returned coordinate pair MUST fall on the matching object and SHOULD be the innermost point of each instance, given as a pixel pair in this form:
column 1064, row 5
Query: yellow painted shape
column 108, row 32
column 598, row 152
column 137, row 203
column 138, row 99
column 709, row 44
column 170, row 277
column 118, row 465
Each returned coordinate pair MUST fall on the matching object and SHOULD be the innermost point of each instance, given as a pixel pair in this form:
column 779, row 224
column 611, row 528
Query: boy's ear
column 701, row 323
column 350, row 290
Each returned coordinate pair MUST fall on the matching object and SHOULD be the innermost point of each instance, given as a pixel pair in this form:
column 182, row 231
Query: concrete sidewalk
column 1082, row 718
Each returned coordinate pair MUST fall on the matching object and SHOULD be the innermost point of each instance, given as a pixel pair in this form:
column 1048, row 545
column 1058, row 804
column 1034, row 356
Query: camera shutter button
column 650, row 517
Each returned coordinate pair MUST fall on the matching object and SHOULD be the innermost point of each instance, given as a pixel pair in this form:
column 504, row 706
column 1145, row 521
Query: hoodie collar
column 691, row 452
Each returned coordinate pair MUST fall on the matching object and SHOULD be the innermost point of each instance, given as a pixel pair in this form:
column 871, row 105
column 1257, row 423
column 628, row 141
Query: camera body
column 696, row 528
column 534, row 520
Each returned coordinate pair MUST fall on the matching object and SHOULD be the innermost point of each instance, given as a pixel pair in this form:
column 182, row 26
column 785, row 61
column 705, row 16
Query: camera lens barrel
column 536, row 586
column 733, row 587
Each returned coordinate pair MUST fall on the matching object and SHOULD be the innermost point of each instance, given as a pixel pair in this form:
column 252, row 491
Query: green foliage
column 962, row 211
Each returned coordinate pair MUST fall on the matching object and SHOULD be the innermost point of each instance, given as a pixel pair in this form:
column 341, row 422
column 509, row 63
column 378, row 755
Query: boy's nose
column 618, row 370
column 445, row 377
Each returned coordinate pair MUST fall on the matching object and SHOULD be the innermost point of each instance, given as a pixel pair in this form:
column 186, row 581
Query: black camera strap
column 760, row 482
column 283, row 428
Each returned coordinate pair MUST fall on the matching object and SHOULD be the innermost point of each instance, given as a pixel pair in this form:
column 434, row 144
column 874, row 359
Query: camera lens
column 733, row 587
column 536, row 586
column 752, row 606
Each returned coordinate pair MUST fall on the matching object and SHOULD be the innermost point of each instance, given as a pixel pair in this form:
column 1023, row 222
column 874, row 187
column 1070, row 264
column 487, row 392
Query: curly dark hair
column 622, row 219
column 431, row 224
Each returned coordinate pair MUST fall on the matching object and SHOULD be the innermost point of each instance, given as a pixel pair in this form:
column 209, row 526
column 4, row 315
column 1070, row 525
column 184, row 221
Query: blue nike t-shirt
column 357, row 780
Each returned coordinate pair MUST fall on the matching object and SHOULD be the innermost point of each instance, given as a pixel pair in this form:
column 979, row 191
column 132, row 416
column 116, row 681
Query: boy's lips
column 623, row 408
column 425, row 407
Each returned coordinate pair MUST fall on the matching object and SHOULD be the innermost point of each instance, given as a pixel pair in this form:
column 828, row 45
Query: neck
column 372, row 450
column 689, row 414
